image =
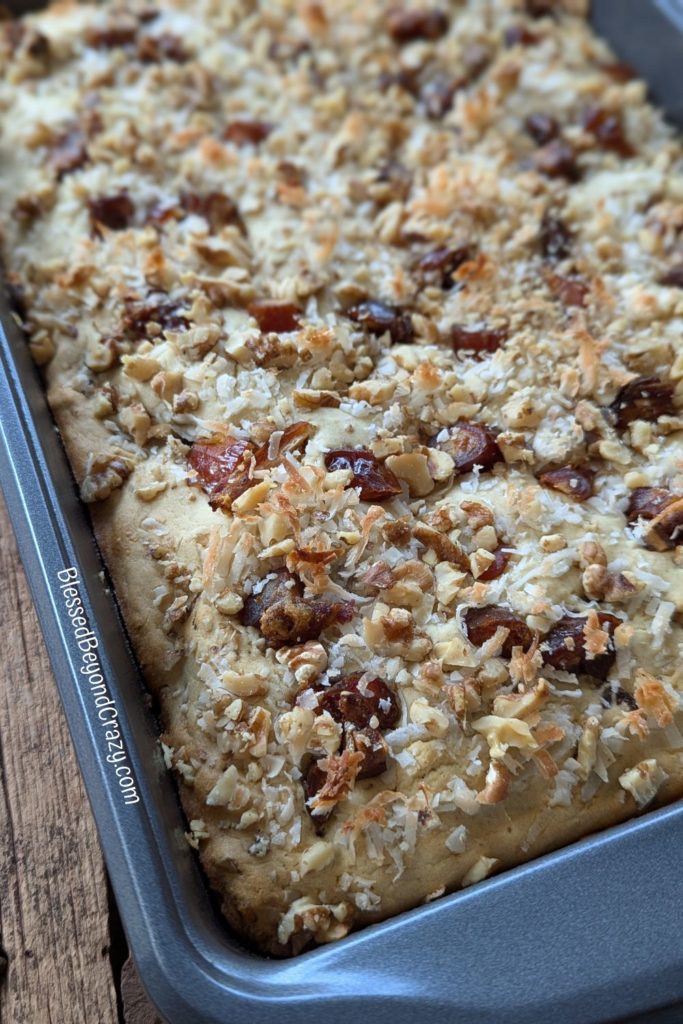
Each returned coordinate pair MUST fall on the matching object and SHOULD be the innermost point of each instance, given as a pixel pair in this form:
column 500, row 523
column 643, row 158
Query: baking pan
column 588, row 934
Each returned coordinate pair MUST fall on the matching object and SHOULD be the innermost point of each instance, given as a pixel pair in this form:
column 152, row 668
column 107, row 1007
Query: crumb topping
column 362, row 324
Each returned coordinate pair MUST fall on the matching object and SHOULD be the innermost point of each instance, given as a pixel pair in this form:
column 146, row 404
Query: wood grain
column 54, row 919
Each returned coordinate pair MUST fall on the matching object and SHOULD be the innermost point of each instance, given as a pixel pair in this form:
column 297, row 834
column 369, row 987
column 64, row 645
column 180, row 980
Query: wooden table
column 63, row 953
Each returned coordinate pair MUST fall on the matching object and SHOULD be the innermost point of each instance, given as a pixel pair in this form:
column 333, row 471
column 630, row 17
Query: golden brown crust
column 254, row 239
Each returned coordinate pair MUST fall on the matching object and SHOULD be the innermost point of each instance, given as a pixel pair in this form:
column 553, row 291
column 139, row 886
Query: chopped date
column 26, row 209
column 293, row 175
column 556, row 238
column 18, row 35
column 225, row 467
column 403, row 78
column 356, row 703
column 36, row 44
column 497, row 566
column 155, row 49
column 569, row 290
column 16, row 294
column 470, row 445
column 542, row 128
column 570, row 480
column 375, row 481
column 564, row 646
column 608, row 130
column 147, row 14
column 540, row 8
column 111, row 37
column 673, row 278
column 162, row 210
column 69, row 152
column 438, row 265
column 519, row 35
column 285, row 617
column 648, row 502
column 157, row 309
column 115, row 212
column 379, row 318
column 438, row 92
column 245, row 132
column 312, row 781
column 620, row 72
column 613, row 694
column 481, row 624
column 371, row 745
column 219, row 465
column 645, row 398
column 557, row 159
column 275, row 317
column 406, row 26
column 216, row 208
column 477, row 340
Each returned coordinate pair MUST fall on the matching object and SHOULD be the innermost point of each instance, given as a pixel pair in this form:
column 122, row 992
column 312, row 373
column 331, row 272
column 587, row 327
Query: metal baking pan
column 588, row 934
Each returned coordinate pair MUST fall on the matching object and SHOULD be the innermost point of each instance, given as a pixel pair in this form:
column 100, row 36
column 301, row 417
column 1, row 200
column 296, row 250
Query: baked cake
column 362, row 324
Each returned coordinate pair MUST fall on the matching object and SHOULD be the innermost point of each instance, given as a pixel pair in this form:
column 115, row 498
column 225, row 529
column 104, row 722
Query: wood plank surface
column 62, row 949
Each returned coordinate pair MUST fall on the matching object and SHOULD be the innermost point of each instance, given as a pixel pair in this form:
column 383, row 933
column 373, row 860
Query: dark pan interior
column 506, row 951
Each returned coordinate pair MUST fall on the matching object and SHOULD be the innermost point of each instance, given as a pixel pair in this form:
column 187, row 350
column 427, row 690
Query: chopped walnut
column 449, row 581
column 410, row 581
column 422, row 713
column 322, row 922
column 284, row 616
column 464, row 698
column 592, row 553
column 105, row 472
column 295, row 728
column 185, row 401
column 136, row 421
column 307, row 661
column 481, row 562
column 413, row 467
column 601, row 585
column 445, row 549
column 665, row 530
column 392, row 632
column 478, row 514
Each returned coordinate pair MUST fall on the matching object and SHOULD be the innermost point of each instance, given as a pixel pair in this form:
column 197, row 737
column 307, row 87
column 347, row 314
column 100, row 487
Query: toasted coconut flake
column 497, row 781
column 340, row 776
column 654, row 699
column 643, row 781
column 480, row 870
column 522, row 705
column 503, row 733
column 546, row 763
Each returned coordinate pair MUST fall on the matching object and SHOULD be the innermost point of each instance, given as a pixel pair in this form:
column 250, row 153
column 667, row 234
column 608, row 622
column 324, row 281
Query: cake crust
column 362, row 326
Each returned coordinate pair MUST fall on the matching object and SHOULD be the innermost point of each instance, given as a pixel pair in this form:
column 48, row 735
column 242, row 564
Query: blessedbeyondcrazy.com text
column 91, row 671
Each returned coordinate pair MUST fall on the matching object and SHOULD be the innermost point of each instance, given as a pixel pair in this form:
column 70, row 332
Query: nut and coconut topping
column 362, row 327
